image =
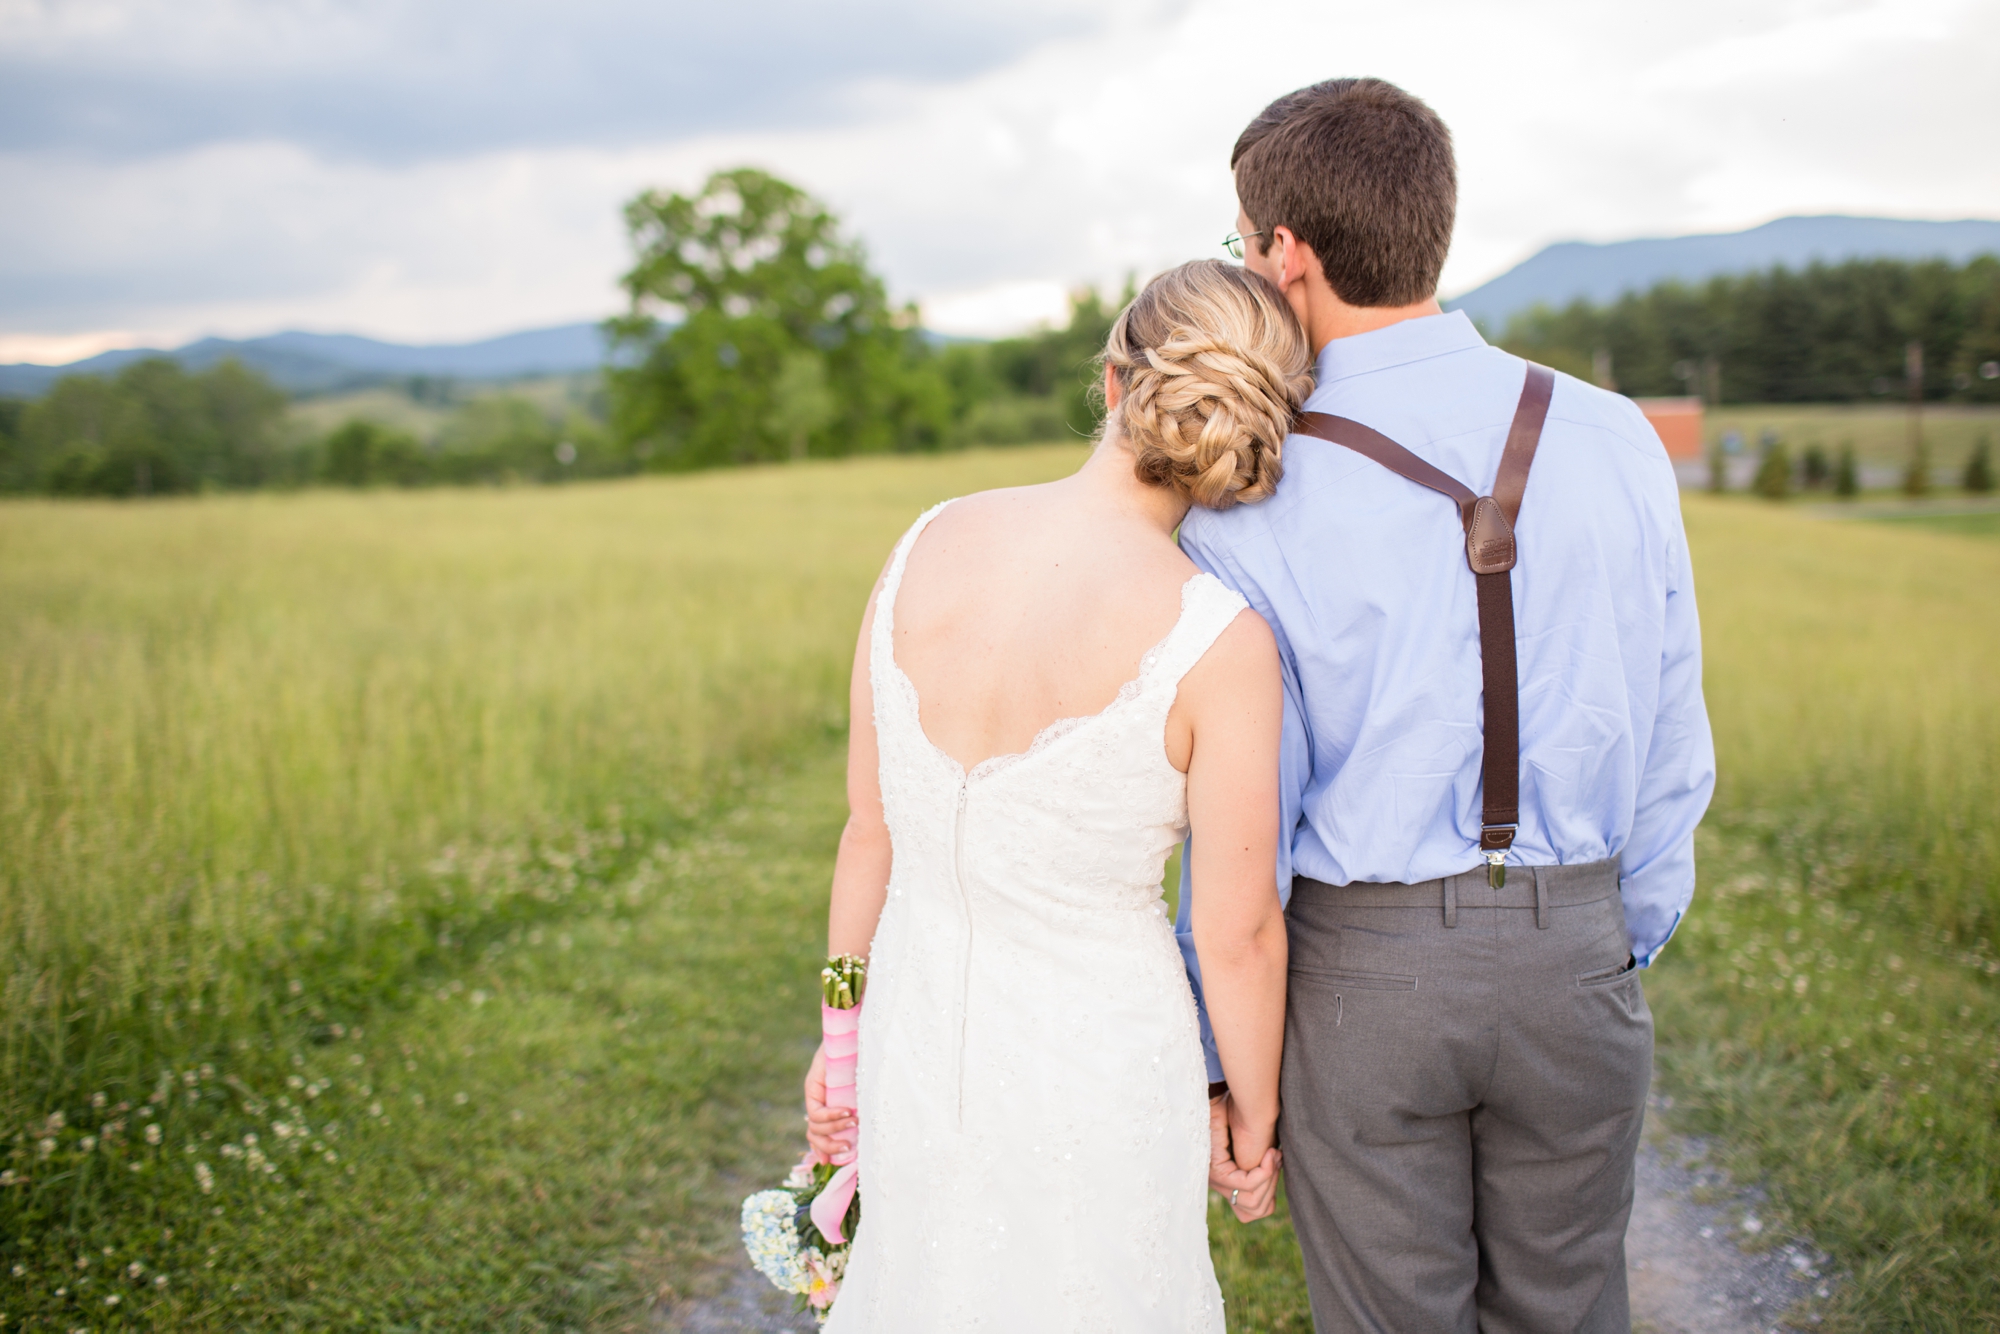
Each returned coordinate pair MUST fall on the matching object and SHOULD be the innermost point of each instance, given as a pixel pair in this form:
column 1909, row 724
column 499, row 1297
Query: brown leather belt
column 1489, row 549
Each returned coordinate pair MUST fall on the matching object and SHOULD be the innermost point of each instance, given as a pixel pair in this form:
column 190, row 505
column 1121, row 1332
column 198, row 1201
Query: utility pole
column 1917, row 480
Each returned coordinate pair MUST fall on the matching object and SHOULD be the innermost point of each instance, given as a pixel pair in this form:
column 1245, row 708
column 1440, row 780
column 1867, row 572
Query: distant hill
column 306, row 363
column 1601, row 273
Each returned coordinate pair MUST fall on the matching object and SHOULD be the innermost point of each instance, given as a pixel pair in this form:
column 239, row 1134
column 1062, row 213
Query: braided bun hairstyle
column 1212, row 365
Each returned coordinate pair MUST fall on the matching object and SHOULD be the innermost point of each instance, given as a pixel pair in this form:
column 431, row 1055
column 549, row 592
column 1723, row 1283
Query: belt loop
column 1450, row 901
column 1541, row 900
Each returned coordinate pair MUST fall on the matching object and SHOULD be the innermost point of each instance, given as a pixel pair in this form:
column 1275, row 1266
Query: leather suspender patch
column 1490, row 551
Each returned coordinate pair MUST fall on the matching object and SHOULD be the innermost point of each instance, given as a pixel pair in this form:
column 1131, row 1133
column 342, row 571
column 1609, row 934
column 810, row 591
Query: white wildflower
column 204, row 1177
column 153, row 1134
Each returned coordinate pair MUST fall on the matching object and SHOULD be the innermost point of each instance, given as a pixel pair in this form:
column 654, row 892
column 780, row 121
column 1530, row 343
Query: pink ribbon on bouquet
column 841, row 1031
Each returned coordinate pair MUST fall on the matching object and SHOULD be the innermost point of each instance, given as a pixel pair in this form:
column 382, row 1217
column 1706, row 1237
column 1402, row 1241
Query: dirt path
column 1702, row 1261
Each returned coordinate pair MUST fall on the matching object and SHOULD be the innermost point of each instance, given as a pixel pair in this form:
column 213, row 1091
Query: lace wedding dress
column 1033, row 1103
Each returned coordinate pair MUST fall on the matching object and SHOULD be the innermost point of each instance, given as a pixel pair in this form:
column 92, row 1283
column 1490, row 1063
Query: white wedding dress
column 1033, row 1103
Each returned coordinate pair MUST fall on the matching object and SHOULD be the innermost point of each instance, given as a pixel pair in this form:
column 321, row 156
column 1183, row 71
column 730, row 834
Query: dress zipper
column 965, row 904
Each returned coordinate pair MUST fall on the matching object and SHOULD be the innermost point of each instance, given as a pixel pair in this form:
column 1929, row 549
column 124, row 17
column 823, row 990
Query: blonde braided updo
column 1211, row 365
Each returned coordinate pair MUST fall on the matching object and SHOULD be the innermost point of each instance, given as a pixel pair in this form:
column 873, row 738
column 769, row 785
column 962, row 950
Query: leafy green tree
column 733, row 290
column 360, row 452
column 12, row 461
column 153, row 429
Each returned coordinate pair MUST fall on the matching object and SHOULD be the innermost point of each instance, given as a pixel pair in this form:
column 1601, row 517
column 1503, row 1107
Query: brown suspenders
column 1489, row 549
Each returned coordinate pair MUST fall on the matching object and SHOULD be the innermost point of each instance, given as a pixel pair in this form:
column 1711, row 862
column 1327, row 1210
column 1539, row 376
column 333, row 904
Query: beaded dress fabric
column 1033, row 1101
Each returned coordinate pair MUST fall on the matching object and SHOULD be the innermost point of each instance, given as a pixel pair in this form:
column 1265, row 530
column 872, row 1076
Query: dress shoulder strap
column 1207, row 607
column 883, row 633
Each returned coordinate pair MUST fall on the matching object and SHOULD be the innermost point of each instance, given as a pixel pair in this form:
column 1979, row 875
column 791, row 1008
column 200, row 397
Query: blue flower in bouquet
column 772, row 1238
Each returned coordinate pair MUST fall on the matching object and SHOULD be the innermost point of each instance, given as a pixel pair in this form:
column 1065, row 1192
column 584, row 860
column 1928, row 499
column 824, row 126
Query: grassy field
column 410, row 901
column 556, row 395
column 1879, row 432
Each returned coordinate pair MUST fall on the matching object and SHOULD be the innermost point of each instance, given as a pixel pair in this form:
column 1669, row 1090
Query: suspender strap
column 1489, row 549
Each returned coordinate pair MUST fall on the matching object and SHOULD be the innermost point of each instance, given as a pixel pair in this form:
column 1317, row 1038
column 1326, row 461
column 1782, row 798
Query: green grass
column 1831, row 1009
column 1879, row 432
column 427, row 793
column 1985, row 524
column 311, row 418
column 318, row 803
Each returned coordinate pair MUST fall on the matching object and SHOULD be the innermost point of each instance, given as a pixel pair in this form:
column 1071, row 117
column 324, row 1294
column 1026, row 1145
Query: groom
column 1467, row 1048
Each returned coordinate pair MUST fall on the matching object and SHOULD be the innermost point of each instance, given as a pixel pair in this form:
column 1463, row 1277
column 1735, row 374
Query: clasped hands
column 830, row 1131
column 1253, row 1190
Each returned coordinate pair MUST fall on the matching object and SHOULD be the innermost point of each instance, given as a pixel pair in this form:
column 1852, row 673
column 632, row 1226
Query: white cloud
column 1080, row 158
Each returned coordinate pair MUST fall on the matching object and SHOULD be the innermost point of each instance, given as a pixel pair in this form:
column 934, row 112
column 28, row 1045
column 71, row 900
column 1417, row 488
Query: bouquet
column 799, row 1235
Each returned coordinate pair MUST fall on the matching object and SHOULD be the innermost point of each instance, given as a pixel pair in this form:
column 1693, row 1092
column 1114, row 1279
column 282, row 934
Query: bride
column 1047, row 696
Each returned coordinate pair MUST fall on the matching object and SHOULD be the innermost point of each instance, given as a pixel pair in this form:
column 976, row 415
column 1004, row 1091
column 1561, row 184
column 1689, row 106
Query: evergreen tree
column 1979, row 468
column 1846, row 475
column 1774, row 473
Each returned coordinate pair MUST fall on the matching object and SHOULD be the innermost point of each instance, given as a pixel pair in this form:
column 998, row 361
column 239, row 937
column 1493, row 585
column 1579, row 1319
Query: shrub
column 1774, row 474
column 1846, row 474
column 1979, row 468
column 1815, row 469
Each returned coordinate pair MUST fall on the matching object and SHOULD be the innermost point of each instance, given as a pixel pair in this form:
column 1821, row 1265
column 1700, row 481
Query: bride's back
column 1021, row 607
column 1024, row 606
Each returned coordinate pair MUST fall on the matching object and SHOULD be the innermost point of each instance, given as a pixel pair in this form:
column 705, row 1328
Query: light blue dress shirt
column 1362, row 577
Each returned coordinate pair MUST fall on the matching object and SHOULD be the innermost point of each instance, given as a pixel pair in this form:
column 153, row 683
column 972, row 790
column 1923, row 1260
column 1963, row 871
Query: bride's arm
column 1233, row 706
column 860, row 881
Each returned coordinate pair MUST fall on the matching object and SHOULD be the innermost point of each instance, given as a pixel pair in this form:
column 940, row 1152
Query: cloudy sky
column 431, row 170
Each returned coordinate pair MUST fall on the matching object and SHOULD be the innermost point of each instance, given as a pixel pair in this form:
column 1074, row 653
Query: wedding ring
column 1232, row 1196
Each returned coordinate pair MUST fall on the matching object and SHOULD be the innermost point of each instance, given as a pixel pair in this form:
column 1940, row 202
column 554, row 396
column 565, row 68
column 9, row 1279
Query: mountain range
column 1600, row 273
column 309, row 363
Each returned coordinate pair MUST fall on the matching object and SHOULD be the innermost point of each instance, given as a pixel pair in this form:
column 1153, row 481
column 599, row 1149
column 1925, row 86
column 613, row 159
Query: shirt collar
column 1398, row 344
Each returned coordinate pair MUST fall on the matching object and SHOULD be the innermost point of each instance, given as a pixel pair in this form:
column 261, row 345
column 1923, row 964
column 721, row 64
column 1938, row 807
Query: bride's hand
column 1252, row 1192
column 830, row 1131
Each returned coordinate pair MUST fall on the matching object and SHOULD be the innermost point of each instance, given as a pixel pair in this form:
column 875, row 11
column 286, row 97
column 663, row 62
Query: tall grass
column 279, row 765
column 440, row 873
column 1832, row 1006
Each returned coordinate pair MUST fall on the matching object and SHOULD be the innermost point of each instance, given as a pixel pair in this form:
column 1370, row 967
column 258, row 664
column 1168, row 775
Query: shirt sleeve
column 1657, row 883
column 1295, row 768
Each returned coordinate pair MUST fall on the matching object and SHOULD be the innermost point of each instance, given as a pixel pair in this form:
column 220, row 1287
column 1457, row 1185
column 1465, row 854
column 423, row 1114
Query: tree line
column 1828, row 333
column 755, row 331
column 155, row 428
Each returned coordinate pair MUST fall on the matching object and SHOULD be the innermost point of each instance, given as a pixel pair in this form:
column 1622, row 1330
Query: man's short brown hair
column 1362, row 172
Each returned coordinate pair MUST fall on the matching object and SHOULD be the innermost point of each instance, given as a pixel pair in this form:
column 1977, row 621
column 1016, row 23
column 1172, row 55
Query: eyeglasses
column 1233, row 242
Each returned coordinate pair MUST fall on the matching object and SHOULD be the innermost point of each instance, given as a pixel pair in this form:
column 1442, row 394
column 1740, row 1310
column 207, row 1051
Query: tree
column 152, row 429
column 360, row 452
column 1978, row 477
column 756, row 331
column 1774, row 473
column 1825, row 333
column 1846, row 473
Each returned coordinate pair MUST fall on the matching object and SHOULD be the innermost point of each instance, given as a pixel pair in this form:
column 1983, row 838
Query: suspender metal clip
column 1496, row 869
